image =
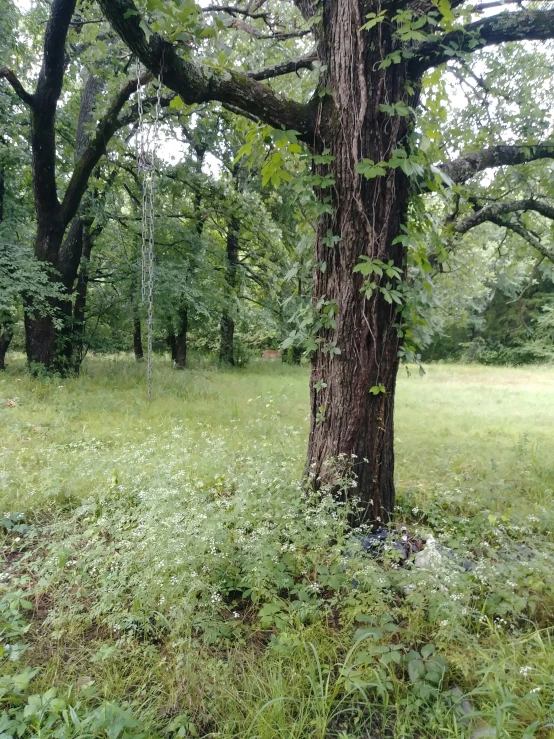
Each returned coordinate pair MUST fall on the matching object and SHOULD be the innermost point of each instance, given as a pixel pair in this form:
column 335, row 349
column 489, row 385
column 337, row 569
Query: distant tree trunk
column 93, row 87
column 137, row 325
column 171, row 343
column 293, row 355
column 137, row 338
column 180, row 338
column 177, row 340
column 6, row 335
column 45, row 344
column 227, row 326
column 6, row 321
column 79, row 307
column 2, row 193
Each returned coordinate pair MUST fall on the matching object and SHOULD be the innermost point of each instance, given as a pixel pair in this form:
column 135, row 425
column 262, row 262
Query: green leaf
column 330, row 240
column 416, row 670
column 373, row 19
column 386, row 659
column 177, row 104
column 427, row 650
column 366, row 631
column 379, row 389
column 269, row 609
column 143, row 25
column 369, row 169
column 446, row 11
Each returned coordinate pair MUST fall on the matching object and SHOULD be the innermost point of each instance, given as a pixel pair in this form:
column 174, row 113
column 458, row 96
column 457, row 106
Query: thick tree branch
column 462, row 169
column 43, row 110
column 483, row 7
column 96, row 148
column 20, row 91
column 531, row 25
column 278, row 70
column 193, row 85
column 49, row 85
column 526, row 235
column 497, row 210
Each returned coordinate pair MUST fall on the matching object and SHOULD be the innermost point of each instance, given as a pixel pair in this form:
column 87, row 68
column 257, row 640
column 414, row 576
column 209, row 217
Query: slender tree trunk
column 2, row 193
column 137, row 338
column 171, row 343
column 81, row 291
column 6, row 321
column 227, row 326
column 354, row 368
column 181, row 341
column 137, row 327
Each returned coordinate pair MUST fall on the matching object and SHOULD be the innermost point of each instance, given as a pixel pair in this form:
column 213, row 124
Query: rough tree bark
column 346, row 418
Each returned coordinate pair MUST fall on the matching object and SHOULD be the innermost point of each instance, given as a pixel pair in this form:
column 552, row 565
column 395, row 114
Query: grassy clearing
column 179, row 573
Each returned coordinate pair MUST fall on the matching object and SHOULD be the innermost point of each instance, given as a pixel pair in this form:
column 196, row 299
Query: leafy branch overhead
column 245, row 94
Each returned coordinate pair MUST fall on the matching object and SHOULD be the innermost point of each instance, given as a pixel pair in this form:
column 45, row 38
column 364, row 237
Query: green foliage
column 509, row 330
column 52, row 713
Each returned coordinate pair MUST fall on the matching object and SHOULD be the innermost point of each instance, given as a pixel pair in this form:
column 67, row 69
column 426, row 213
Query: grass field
column 183, row 583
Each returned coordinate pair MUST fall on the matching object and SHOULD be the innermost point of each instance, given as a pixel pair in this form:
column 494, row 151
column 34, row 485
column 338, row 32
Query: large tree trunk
column 354, row 368
column 227, row 326
column 55, row 342
column 48, row 337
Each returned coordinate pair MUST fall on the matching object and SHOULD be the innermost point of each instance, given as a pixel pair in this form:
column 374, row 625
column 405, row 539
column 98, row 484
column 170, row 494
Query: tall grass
column 176, row 564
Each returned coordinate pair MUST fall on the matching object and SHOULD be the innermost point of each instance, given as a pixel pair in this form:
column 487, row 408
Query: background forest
column 234, row 233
